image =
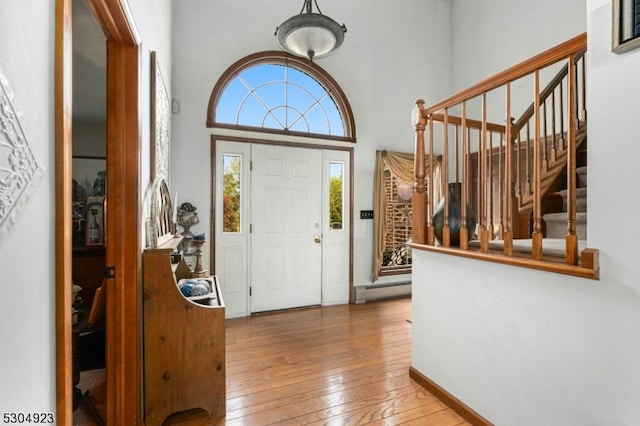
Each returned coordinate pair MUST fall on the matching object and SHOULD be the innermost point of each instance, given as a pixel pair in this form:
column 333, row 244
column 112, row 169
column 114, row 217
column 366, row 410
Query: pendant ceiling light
column 310, row 35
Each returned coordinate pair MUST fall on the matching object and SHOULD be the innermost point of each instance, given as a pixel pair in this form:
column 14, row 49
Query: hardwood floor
column 335, row 365
column 92, row 381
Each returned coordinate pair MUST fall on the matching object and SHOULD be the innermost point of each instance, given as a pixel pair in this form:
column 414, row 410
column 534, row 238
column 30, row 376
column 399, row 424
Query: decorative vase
column 187, row 217
column 455, row 221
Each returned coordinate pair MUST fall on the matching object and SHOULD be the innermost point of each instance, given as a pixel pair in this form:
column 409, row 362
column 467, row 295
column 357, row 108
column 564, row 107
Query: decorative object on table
column 160, row 123
column 196, row 288
column 89, row 180
column 198, row 241
column 187, row 217
column 21, row 169
column 95, row 223
column 454, row 219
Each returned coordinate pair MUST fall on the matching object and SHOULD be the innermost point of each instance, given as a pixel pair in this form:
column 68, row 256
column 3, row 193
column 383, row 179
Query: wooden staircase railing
column 505, row 170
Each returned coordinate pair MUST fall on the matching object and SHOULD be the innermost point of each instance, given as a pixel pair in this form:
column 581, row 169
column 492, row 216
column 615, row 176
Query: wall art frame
column 20, row 170
column 160, row 123
column 89, row 173
column 625, row 25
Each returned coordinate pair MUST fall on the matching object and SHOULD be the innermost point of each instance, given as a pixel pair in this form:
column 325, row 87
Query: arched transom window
column 276, row 92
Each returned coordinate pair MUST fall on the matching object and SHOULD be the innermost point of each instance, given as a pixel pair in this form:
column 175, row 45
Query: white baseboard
column 372, row 292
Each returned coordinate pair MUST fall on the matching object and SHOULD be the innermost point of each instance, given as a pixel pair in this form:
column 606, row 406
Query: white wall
column 27, row 256
column 153, row 22
column 525, row 347
column 390, row 57
column 27, row 361
column 492, row 35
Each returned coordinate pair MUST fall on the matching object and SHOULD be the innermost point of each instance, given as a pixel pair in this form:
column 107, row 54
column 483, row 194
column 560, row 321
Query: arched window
column 279, row 93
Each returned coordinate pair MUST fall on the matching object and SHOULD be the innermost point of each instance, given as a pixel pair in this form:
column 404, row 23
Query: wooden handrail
column 544, row 59
column 474, row 124
column 531, row 147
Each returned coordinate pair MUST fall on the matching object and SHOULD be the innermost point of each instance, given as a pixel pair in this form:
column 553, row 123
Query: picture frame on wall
column 95, row 222
column 89, row 179
column 160, row 123
column 625, row 25
column 90, row 174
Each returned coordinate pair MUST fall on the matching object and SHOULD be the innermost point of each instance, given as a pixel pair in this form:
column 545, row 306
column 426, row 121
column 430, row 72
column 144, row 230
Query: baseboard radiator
column 367, row 293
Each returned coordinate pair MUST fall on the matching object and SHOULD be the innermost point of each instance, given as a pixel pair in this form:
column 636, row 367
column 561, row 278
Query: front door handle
column 317, row 238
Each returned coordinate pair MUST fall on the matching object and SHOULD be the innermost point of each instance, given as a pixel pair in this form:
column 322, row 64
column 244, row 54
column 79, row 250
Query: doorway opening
column 122, row 247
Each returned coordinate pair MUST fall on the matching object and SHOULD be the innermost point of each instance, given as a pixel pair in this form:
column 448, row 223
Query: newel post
column 419, row 199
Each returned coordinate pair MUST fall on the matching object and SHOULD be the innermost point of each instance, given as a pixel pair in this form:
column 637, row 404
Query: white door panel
column 231, row 248
column 286, row 214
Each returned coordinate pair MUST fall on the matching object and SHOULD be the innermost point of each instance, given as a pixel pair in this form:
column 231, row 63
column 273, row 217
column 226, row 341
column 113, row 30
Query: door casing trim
column 123, row 303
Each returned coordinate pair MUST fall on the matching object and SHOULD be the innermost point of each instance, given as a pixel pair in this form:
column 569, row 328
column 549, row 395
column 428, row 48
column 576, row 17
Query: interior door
column 286, row 227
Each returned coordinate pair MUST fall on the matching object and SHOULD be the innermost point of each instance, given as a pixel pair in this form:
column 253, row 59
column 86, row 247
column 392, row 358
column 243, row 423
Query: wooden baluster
column 545, row 160
column 583, row 85
column 476, row 207
column 508, row 202
column 536, row 245
column 518, row 143
column 490, row 185
column 554, row 153
column 490, row 188
column 572, row 238
column 446, row 236
column 501, row 184
column 484, row 231
column 527, row 187
column 562, row 128
column 419, row 198
column 431, row 236
column 576, row 99
column 464, row 230
column 457, row 138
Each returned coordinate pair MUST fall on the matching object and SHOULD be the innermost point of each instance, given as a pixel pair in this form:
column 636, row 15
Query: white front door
column 282, row 229
column 286, row 222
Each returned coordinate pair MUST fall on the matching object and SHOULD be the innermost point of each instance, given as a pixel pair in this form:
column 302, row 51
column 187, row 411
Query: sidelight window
column 336, row 200
column 231, row 197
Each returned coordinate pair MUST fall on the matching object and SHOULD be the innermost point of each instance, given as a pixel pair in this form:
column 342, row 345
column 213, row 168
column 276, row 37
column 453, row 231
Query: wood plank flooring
column 334, row 365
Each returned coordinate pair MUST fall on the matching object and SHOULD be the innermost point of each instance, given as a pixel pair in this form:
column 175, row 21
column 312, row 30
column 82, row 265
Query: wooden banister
column 470, row 123
column 516, row 162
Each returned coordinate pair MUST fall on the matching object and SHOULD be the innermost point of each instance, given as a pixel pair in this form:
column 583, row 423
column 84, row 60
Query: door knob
column 317, row 239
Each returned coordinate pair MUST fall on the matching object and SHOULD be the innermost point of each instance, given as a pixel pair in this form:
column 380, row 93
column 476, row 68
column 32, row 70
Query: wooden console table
column 184, row 343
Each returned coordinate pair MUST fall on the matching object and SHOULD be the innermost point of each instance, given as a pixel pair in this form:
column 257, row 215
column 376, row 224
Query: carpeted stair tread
column 557, row 225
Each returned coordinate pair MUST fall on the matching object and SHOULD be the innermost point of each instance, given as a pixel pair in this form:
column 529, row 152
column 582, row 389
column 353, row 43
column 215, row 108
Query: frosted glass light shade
column 310, row 35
